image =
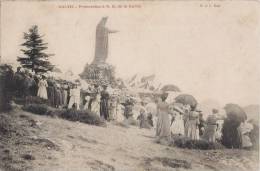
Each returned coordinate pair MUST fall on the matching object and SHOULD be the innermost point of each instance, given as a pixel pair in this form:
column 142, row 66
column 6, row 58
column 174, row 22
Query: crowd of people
column 187, row 121
column 168, row 119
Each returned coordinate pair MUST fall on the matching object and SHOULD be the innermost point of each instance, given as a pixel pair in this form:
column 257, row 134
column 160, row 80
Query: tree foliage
column 34, row 58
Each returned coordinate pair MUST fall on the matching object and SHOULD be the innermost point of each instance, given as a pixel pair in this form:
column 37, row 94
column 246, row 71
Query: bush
column 184, row 142
column 84, row 116
column 37, row 100
column 40, row 109
column 29, row 100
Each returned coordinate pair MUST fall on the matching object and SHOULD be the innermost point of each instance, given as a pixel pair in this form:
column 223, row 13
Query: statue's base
column 99, row 73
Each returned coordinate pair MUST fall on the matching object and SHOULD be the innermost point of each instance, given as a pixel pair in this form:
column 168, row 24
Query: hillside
column 45, row 143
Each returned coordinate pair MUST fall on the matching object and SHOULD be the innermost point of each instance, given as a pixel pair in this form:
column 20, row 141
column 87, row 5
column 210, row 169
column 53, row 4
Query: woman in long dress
column 177, row 126
column 143, row 121
column 191, row 125
column 163, row 133
column 65, row 93
column 74, row 97
column 87, row 99
column 104, row 106
column 186, row 109
column 95, row 105
column 120, row 113
column 42, row 91
column 51, row 92
column 243, row 130
column 112, row 108
column 211, row 127
column 56, row 95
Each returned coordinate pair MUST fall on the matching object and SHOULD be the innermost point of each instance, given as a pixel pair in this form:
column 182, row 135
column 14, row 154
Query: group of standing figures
column 72, row 97
column 168, row 119
column 62, row 94
column 98, row 102
column 186, row 121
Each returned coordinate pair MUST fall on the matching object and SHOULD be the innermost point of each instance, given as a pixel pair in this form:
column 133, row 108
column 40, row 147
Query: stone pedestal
column 99, row 73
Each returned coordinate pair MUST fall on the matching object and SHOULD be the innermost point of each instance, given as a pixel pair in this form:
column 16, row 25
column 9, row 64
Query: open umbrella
column 186, row 99
column 170, row 87
column 234, row 111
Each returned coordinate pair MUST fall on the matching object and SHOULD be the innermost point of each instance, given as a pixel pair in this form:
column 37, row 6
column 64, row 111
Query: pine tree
column 35, row 59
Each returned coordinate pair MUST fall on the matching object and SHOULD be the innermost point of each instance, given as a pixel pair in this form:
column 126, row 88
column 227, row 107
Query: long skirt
column 57, row 101
column 191, row 127
column 112, row 112
column 163, row 127
column 244, row 139
column 210, row 133
column 74, row 102
column 65, row 97
column 51, row 96
column 95, row 107
column 120, row 113
column 177, row 126
column 104, row 111
column 42, row 92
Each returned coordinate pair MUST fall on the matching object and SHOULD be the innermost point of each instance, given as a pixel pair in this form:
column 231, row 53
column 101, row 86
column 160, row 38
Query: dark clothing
column 128, row 112
column 201, row 125
column 19, row 85
column 26, row 86
column 57, row 97
column 150, row 119
column 143, row 122
column 104, row 107
column 51, row 95
column 68, row 95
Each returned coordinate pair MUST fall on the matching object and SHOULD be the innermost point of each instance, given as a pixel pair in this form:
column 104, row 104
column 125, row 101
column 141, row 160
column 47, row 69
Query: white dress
column 177, row 126
column 95, row 105
column 42, row 91
column 74, row 98
column 244, row 130
column 87, row 102
column 120, row 113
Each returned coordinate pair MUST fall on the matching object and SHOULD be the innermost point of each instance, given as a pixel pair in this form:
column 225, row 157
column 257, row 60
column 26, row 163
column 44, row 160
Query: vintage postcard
column 129, row 85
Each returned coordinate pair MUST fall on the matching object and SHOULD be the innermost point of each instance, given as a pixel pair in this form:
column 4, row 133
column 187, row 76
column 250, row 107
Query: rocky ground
column 32, row 142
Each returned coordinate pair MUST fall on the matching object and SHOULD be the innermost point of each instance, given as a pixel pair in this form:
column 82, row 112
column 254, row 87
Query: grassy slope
column 59, row 144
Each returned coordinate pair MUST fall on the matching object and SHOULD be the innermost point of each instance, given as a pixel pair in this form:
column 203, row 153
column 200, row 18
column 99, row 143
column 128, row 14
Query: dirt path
column 77, row 146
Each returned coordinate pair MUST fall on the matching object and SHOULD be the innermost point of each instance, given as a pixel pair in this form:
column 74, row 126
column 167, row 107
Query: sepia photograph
column 131, row 85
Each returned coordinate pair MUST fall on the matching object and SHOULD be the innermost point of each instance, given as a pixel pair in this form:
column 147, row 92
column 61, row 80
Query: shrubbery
column 84, row 116
column 37, row 100
column 39, row 109
column 184, row 142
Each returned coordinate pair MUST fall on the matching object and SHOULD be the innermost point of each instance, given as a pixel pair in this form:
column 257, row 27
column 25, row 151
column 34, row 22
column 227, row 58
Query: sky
column 211, row 53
